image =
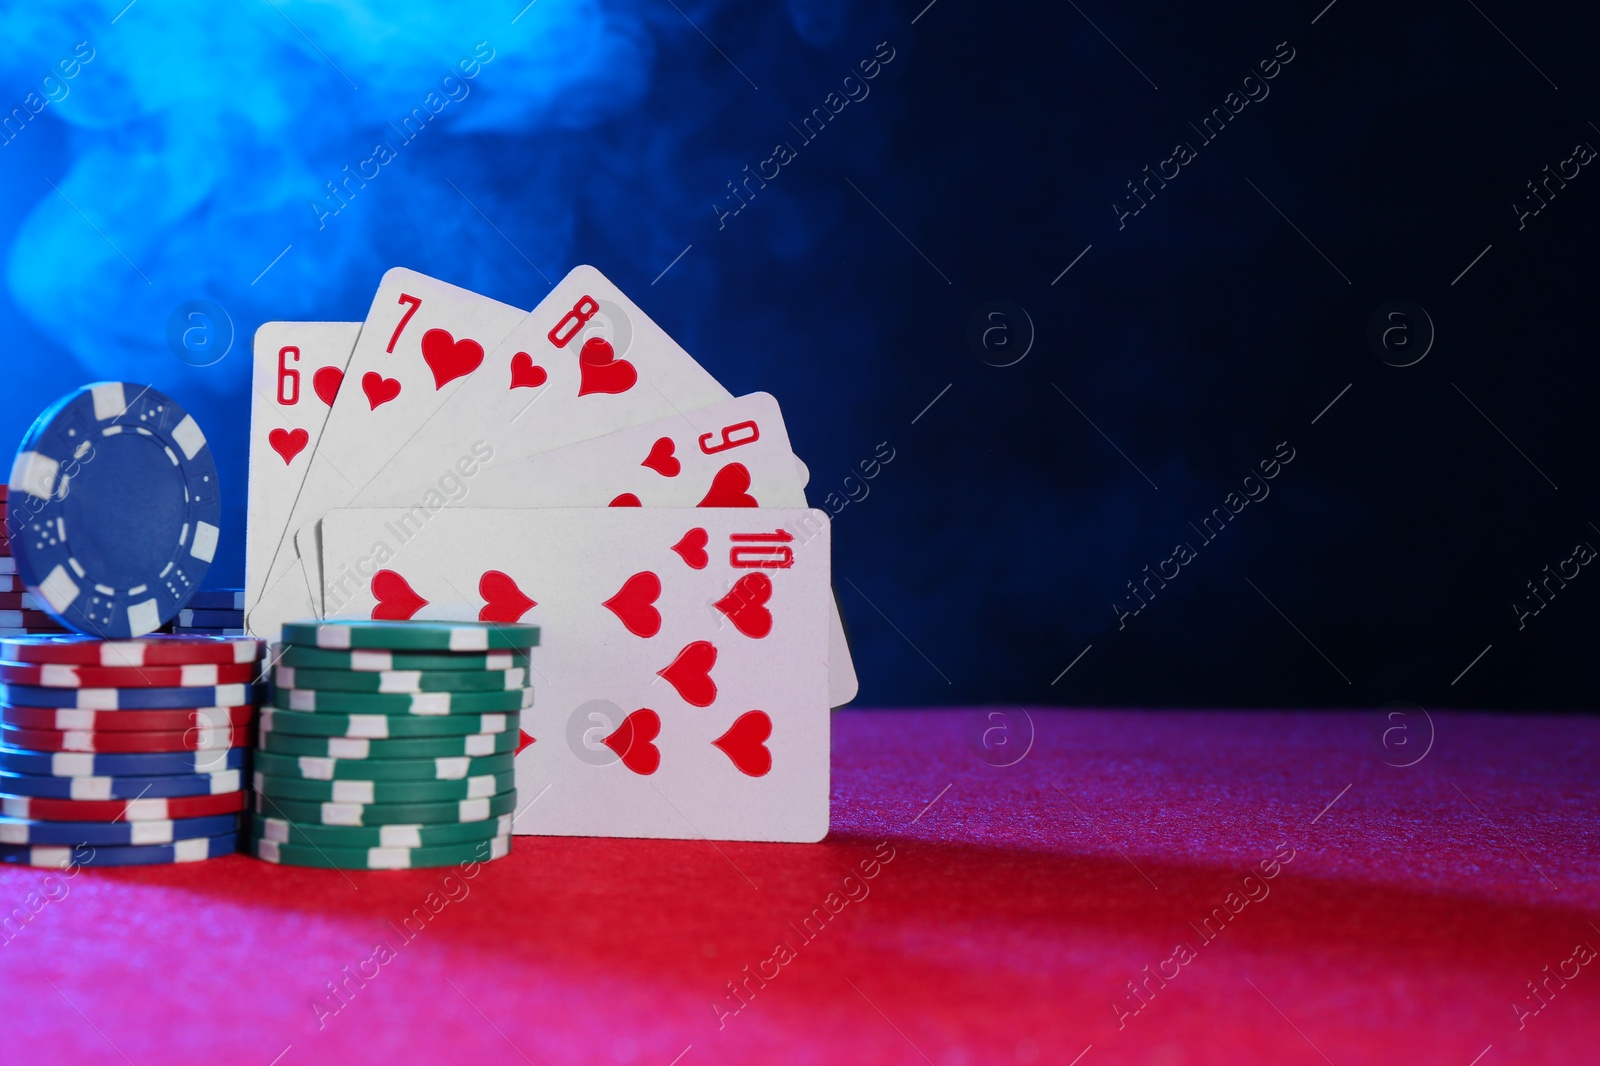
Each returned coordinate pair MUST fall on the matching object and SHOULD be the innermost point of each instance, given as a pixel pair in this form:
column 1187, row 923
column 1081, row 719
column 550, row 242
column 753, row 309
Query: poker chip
column 376, row 661
column 97, row 764
column 381, row 858
column 198, row 675
column 10, row 583
column 373, row 814
column 412, row 636
column 151, row 651
column 195, row 619
column 133, row 855
column 149, row 809
column 29, row 620
column 473, row 744
column 359, row 792
column 8, row 564
column 376, row 836
column 63, row 719
column 111, row 699
column 423, row 703
column 217, row 600
column 396, row 681
column 384, row 726
column 322, row 768
column 123, row 513
column 32, row 831
column 105, row 788
column 200, row 631
column 195, row 738
column 12, row 601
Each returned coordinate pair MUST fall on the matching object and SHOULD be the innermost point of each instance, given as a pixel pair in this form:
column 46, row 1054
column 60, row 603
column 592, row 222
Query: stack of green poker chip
column 391, row 745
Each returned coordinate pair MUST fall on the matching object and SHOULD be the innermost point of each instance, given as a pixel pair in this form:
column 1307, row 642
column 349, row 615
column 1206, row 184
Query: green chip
column 304, row 813
column 311, row 701
column 382, row 858
column 297, row 788
column 411, row 636
column 376, row 836
column 384, row 726
column 319, row 768
column 376, row 661
column 405, row 682
column 474, row 744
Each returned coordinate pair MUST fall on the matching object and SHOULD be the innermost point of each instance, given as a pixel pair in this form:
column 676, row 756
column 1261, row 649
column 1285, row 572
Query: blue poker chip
column 192, row 619
column 217, row 600
column 60, row 856
column 100, row 764
column 130, row 699
column 114, row 512
column 27, row 831
column 164, row 786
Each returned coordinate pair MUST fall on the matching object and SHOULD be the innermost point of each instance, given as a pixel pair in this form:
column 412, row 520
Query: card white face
column 421, row 340
column 733, row 454
column 586, row 362
column 730, row 454
column 681, row 681
column 299, row 367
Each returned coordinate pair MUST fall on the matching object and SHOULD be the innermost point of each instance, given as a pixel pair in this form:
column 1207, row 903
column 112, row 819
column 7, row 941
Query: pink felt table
column 1009, row 909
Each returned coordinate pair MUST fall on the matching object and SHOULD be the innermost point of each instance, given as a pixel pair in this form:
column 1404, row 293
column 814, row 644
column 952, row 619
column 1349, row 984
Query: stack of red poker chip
column 19, row 613
column 124, row 752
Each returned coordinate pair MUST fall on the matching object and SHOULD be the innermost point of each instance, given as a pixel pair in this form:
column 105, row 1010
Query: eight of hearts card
column 681, row 681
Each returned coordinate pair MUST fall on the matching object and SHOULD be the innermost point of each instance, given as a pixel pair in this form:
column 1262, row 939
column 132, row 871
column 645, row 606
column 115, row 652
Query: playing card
column 680, row 683
column 733, row 454
column 299, row 367
column 585, row 362
column 421, row 340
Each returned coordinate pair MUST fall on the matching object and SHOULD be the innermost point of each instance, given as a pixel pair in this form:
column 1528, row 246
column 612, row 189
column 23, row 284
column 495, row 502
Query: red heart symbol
column 449, row 358
column 326, row 382
column 728, row 488
column 524, row 375
column 632, row 740
column 599, row 369
column 288, row 443
column 690, row 673
column 692, row 548
column 661, row 459
column 745, row 743
column 596, row 351
column 634, row 603
column 397, row 600
column 379, row 389
column 627, row 499
column 523, row 740
column 503, row 601
column 746, row 605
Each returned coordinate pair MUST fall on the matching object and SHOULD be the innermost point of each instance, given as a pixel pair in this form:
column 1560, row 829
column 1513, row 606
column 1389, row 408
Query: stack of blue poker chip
column 20, row 610
column 212, row 612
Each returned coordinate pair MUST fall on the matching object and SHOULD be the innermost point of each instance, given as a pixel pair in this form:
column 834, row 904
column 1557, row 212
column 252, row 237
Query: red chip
column 195, row 738
column 66, row 719
column 146, row 651
column 139, row 810
column 63, row 675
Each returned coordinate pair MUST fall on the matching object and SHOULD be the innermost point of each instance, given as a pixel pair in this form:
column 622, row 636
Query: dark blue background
column 988, row 555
